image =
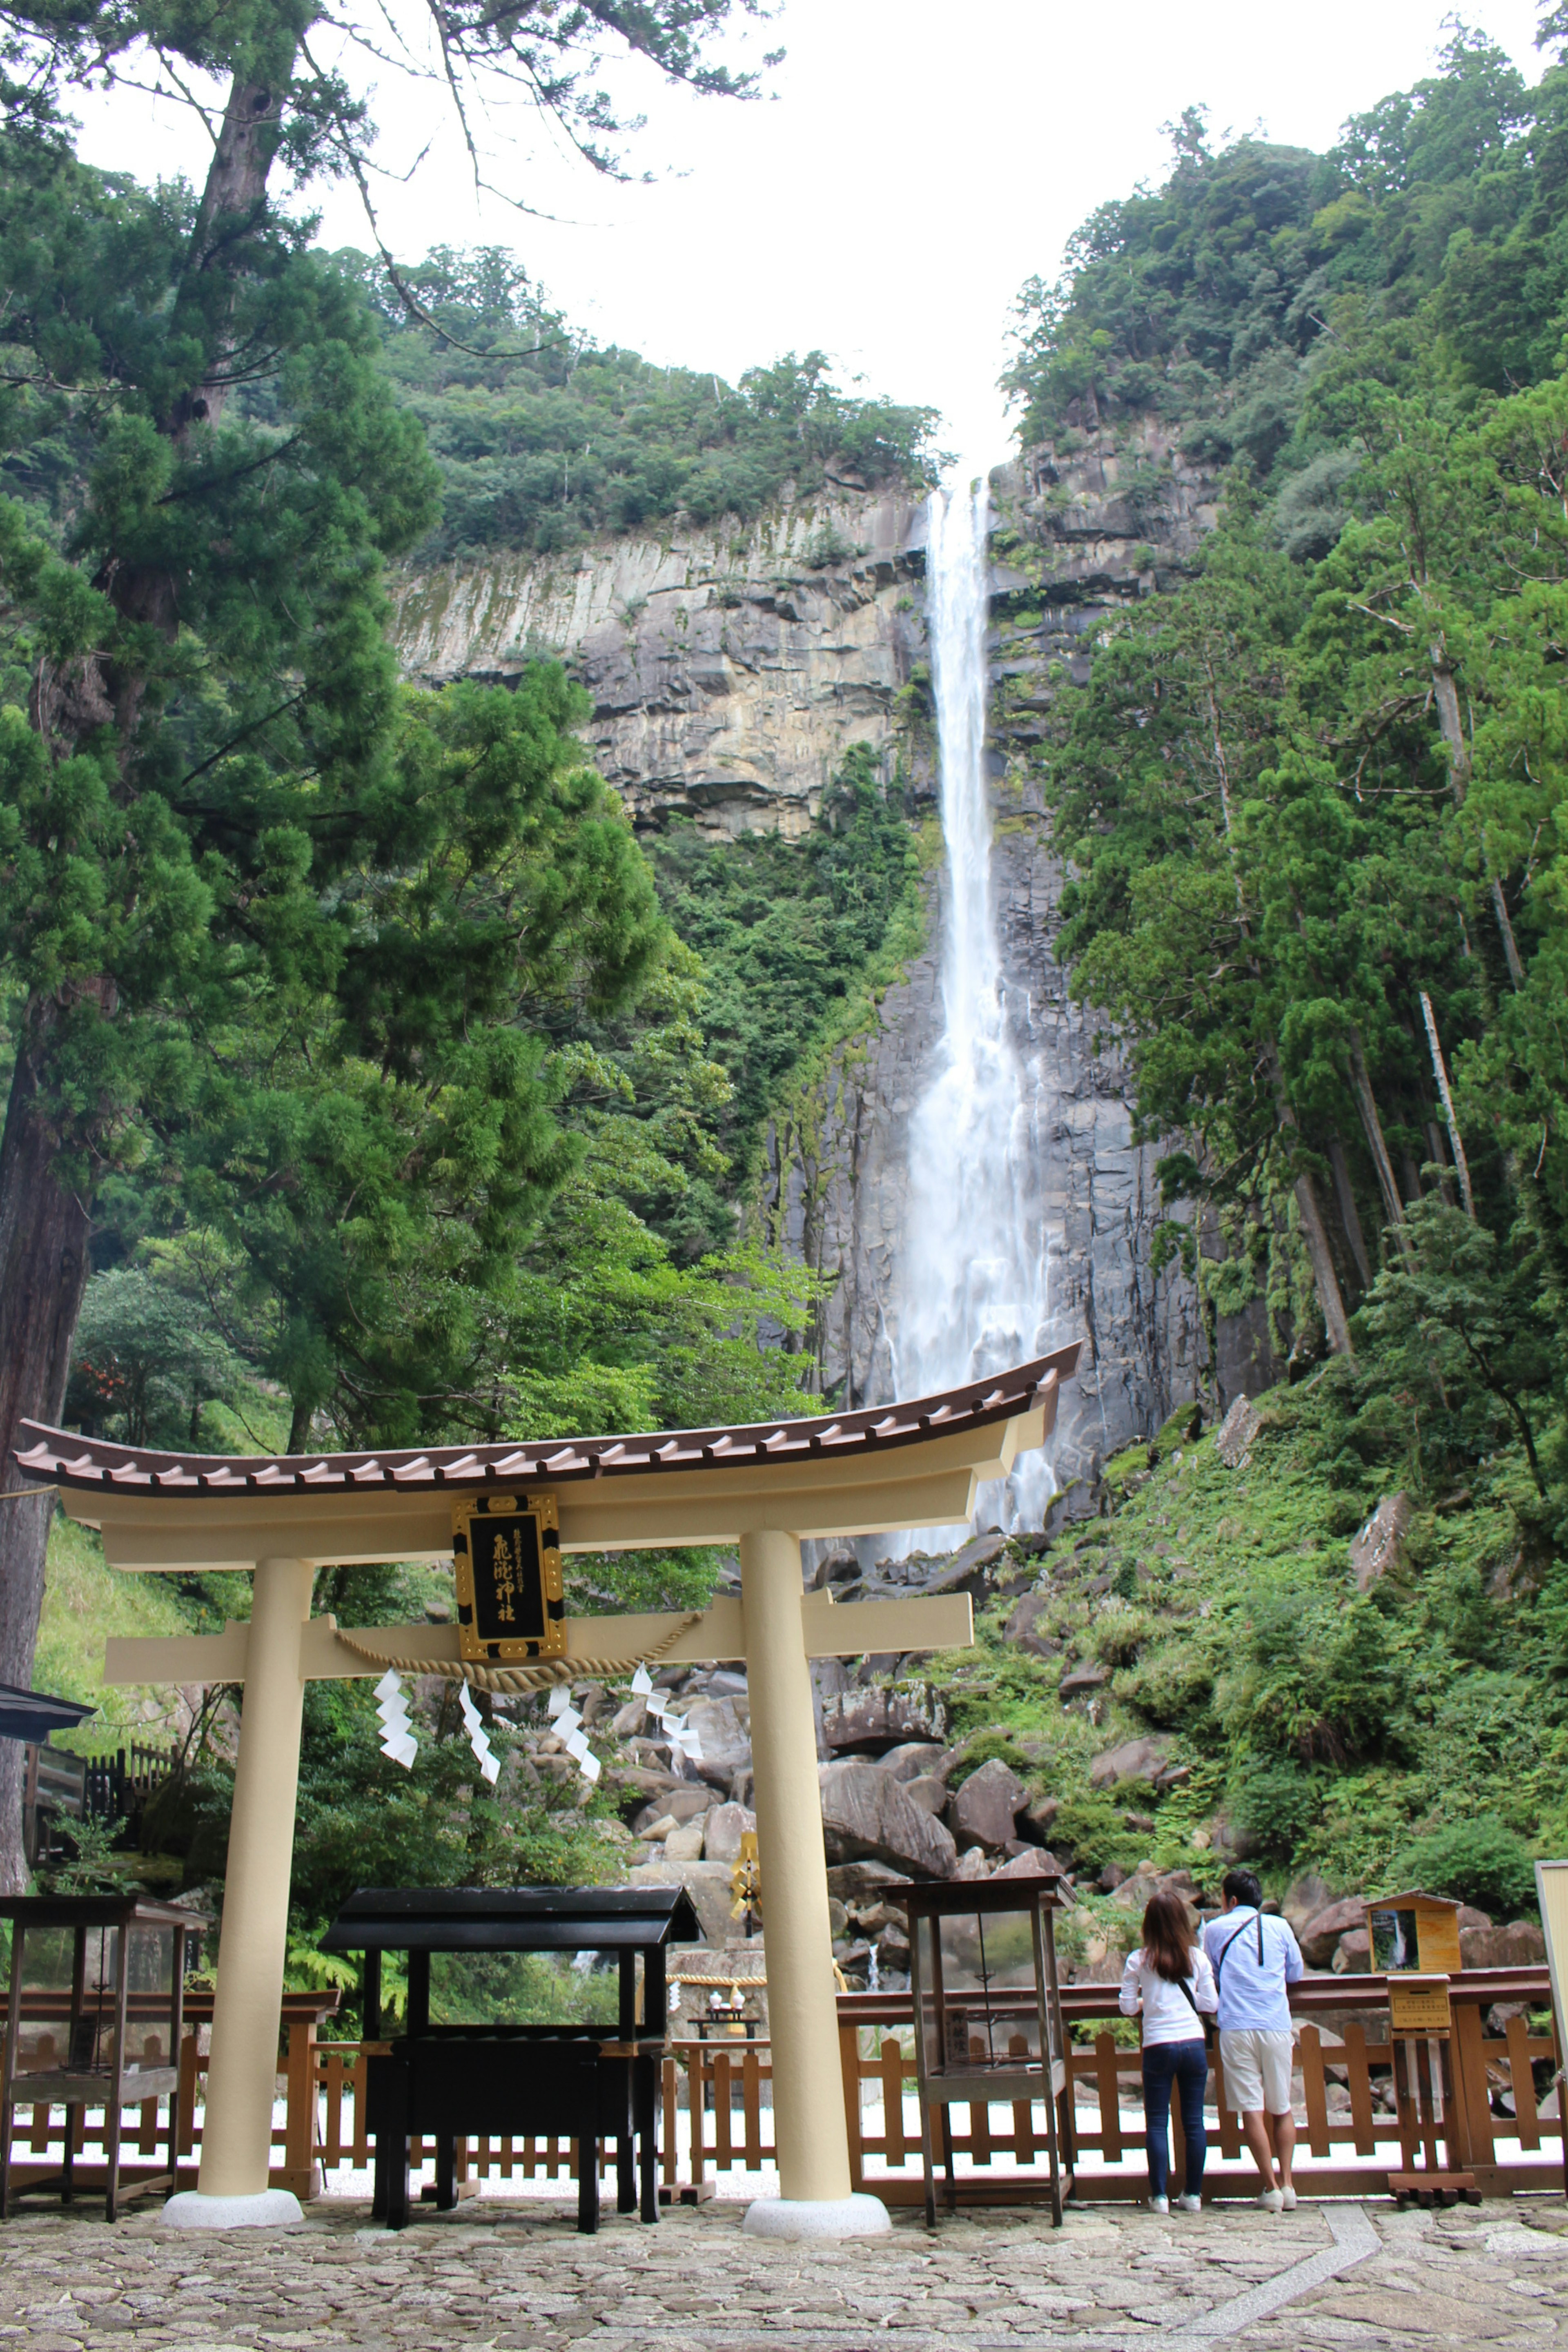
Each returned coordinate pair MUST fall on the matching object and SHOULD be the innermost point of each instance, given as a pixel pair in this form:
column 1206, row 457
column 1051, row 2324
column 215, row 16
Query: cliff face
column 729, row 670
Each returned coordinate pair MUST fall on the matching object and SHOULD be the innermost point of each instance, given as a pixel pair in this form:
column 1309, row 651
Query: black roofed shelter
column 583, row 2082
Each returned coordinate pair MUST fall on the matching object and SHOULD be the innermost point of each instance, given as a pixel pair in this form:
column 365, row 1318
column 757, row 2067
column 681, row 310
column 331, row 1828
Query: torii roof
column 868, row 1472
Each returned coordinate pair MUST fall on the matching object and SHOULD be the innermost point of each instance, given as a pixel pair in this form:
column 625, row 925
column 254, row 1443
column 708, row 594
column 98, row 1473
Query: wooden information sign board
column 510, row 1592
column 1418, row 2005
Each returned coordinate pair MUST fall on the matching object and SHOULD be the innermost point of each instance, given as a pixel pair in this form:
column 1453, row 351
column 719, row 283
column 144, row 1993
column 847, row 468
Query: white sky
column 918, row 161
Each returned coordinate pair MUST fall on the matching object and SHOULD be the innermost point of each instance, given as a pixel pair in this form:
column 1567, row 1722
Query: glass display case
column 94, row 2013
column 987, row 2014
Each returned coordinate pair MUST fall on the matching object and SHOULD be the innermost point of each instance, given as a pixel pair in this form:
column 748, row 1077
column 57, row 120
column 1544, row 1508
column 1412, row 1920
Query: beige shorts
column 1256, row 2070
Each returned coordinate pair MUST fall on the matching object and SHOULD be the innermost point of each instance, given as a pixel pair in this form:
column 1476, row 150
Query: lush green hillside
column 542, row 438
column 1315, row 802
column 1417, row 1725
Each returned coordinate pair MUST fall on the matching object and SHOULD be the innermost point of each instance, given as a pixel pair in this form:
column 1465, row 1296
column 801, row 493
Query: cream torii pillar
column 810, row 2133
column 242, row 2070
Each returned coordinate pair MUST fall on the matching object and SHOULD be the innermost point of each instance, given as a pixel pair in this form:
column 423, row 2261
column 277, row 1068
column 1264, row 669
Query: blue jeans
column 1185, row 2063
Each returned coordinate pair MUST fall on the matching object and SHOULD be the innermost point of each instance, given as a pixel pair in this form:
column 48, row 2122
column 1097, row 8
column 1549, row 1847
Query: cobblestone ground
column 518, row 2276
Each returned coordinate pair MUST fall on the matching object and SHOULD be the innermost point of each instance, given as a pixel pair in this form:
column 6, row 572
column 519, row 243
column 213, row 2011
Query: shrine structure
column 763, row 1488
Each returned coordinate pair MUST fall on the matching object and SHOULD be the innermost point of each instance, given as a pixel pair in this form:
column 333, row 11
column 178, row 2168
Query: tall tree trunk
column 1372, row 1127
column 1314, row 1232
column 44, row 1234
column 1440, row 1072
column 1350, row 1216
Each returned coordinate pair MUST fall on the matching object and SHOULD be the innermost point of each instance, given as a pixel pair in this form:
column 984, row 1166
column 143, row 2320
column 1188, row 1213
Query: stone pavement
column 518, row 2276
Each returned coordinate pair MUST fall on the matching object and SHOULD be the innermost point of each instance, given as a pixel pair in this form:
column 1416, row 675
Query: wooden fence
column 1361, row 2112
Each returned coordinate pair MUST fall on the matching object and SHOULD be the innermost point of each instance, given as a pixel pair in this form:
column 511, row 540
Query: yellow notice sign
column 1418, row 2005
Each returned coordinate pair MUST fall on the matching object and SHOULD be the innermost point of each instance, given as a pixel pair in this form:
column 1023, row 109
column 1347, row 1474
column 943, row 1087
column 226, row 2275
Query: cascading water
column 973, row 1283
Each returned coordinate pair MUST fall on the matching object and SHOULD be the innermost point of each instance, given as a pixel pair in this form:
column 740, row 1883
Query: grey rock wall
column 729, row 667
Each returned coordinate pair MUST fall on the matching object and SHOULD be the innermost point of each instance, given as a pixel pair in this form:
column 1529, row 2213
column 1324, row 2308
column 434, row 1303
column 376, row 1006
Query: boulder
column 1353, row 1950
column 1033, row 1863
column 927, row 1791
column 645, row 1780
column 1082, row 1682
column 684, row 1843
column 859, row 1883
column 1470, row 1917
column 724, row 1726
column 1520, row 1944
column 1036, row 1817
column 867, row 1815
column 972, row 1865
column 873, row 1720
column 679, row 1803
column 1379, row 1545
column 1236, row 1433
column 966, row 1572
column 1318, row 1935
column 708, row 1884
column 1022, row 1623
column 985, row 1807
column 1304, row 1898
column 1134, row 1891
column 724, row 1826
column 911, row 1759
column 1135, row 1760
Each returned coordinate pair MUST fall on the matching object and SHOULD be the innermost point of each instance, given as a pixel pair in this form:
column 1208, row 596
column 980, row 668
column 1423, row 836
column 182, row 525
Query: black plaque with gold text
column 510, row 1595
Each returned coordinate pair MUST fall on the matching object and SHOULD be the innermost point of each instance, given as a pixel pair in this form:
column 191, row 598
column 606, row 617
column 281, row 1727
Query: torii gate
column 763, row 1486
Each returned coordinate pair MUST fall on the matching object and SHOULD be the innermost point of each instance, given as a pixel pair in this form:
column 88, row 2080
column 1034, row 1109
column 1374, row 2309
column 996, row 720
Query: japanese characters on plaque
column 510, row 1594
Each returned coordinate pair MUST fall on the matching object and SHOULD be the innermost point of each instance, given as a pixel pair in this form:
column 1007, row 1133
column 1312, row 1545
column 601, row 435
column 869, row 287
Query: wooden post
column 299, row 2169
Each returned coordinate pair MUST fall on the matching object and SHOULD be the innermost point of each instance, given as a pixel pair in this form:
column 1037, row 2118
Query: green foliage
column 1277, row 1804
column 987, row 1747
column 90, row 1863
column 1209, row 302
column 784, row 930
column 1090, row 1829
column 543, row 450
column 1480, row 1861
column 147, row 1360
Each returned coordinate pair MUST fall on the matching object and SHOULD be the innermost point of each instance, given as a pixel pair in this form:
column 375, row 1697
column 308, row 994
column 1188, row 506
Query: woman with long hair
column 1170, row 1981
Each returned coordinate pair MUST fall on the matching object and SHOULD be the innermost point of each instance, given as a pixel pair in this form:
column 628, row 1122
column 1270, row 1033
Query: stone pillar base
column 818, row 2216
column 268, row 2208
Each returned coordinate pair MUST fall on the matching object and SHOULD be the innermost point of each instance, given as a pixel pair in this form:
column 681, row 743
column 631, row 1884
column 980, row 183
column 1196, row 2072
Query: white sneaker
column 1159, row 2204
column 1288, row 2198
column 1191, row 2204
column 1272, row 2201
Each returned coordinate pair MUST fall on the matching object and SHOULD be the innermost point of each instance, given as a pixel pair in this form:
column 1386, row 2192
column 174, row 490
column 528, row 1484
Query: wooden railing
column 717, row 2111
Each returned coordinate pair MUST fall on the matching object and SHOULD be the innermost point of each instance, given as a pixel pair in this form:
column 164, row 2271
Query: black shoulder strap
column 1225, row 1948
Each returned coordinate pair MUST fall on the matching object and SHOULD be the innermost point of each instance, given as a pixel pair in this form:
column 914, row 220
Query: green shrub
column 1092, row 1829
column 1479, row 1862
column 1277, row 1804
column 981, row 1748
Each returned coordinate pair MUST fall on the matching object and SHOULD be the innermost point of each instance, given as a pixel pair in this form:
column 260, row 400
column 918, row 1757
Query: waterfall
column 973, row 1282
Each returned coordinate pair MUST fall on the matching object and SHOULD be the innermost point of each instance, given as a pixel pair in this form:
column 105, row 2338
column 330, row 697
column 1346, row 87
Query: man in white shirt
column 1254, row 1958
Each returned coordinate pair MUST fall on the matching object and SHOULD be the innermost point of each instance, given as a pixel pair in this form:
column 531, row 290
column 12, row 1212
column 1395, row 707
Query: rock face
column 731, row 666
column 1377, row 1547
column 1321, row 1934
column 867, row 1815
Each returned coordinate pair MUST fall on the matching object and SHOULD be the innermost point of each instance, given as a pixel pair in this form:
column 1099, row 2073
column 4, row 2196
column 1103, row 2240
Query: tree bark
column 1440, row 1072
column 1331, row 1299
column 1372, row 1127
column 44, row 1235
column 1350, row 1216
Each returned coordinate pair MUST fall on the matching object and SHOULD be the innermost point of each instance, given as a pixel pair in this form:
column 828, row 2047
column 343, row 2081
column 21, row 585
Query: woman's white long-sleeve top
column 1167, row 2012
